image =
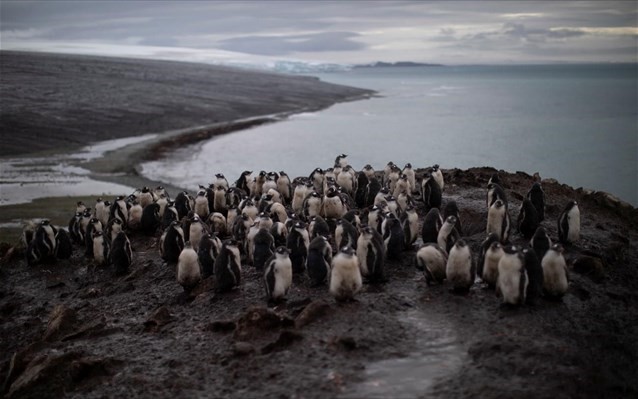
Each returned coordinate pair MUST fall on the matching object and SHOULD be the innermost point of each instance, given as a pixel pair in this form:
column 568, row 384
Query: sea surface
column 574, row 123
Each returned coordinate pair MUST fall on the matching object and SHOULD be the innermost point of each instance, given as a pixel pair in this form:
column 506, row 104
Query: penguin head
column 98, row 200
column 451, row 219
column 44, row 222
column 97, row 233
column 220, row 176
column 390, row 164
column 201, row 193
column 558, row 248
column 495, row 246
column 460, row 243
column 368, row 167
column 174, row 224
column 146, row 189
column 107, row 203
column 262, row 173
column 347, row 250
column 282, row 250
column 246, row 173
column 435, row 167
column 187, row 244
column 408, row 166
column 282, row 174
column 299, row 225
column 498, row 203
column 510, row 249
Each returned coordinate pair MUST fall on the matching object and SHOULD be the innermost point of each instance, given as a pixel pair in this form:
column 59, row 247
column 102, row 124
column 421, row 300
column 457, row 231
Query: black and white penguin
column 498, row 220
column 159, row 192
column 170, row 214
column 150, row 219
column 368, row 170
column 512, row 281
column 569, row 224
column 341, row 160
column 298, row 242
column 447, row 234
column 228, row 267
column 360, row 193
column 391, row 205
column 102, row 211
column 249, row 208
column 100, row 247
column 172, row 242
column 241, row 227
column 432, row 259
column 217, row 224
column 63, row 246
column 494, row 178
column 490, row 260
column 278, row 274
column 379, row 200
column 431, row 226
column 345, row 276
column 196, row 230
column 299, row 194
column 409, row 172
column 219, row 200
column 534, row 276
column 93, row 226
column 221, row 181
column 540, row 242
column 333, row 206
column 346, row 234
column 209, row 248
column 183, row 204
column 528, row 220
column 244, row 181
column 431, row 192
column 353, row 216
column 452, row 209
column 410, row 223
column 146, row 197
column 121, row 254
column 163, row 202
column 393, row 237
column 135, row 213
column 371, row 254
column 437, row 174
column 402, row 186
column 258, row 184
column 537, row 196
column 372, row 190
column 391, row 179
column 317, row 179
column 319, row 260
column 119, row 209
column 284, row 186
column 459, row 269
column 263, row 247
column 230, row 219
column 555, row 279
column 346, row 180
column 83, row 225
column 188, row 270
column 318, row 227
column 495, row 192
column 44, row 239
column 375, row 218
column 113, row 228
column 201, row 204
column 234, row 196
column 74, row 231
column 386, row 172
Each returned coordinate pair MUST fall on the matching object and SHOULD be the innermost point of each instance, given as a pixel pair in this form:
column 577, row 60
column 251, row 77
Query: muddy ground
column 69, row 330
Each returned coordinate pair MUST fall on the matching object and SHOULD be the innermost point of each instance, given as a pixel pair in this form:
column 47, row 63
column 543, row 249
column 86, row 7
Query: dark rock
column 93, row 329
column 285, row 339
column 45, row 376
column 61, row 322
column 19, row 362
column 313, row 311
column 55, row 281
column 257, row 320
column 242, row 348
column 159, row 318
column 591, row 267
column 221, row 326
column 344, row 343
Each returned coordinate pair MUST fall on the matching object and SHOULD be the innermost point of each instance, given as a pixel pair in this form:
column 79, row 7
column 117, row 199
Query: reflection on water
column 436, row 354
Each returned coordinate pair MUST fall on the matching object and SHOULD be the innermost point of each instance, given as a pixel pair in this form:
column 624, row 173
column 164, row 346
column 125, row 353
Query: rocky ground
column 69, row 329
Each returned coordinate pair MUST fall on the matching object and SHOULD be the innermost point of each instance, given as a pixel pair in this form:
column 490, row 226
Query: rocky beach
column 70, row 329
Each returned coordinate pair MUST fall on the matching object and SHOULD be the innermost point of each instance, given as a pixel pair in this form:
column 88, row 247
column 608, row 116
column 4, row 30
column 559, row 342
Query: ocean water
column 574, row 123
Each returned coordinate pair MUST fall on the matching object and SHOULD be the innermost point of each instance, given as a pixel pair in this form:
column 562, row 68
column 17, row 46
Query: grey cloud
column 284, row 45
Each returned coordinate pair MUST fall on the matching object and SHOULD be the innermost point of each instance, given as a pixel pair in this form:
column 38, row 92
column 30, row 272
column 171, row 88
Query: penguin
column 402, row 186
column 380, row 199
column 93, row 226
column 360, row 193
column 534, row 277
column 437, row 174
column 258, row 184
column 393, row 237
column 228, row 267
column 113, row 228
column 297, row 243
column 375, row 218
column 100, row 248
column 368, row 170
column 447, row 234
column 234, row 196
column 387, row 170
column 30, row 226
column 540, row 242
column 247, row 246
column 241, row 227
column 277, row 212
column 182, row 204
column 512, row 276
column 409, row 172
column 404, row 200
column 485, row 246
column 63, row 246
column 346, row 181
column 460, row 269
column 495, row 192
column 83, row 225
column 498, row 220
column 341, row 160
column 494, row 178
column 146, row 197
column 244, row 181
column 80, row 207
column 537, row 196
column 431, row 192
column 431, row 226
column 150, row 219
column 201, row 204
column 279, row 232
column 160, row 192
column 352, row 216
column 196, row 231
column 318, row 227
column 346, row 234
column 555, row 279
column 312, row 205
column 217, row 224
column 299, row 195
column 371, row 254
column 121, row 254
column 163, row 204
column 119, row 209
column 432, row 259
column 33, row 254
column 410, row 223
column 392, row 205
column 278, row 274
column 188, row 270
column 170, row 214
column 569, row 224
column 101, row 211
column 263, row 247
column 219, row 200
column 452, row 209
column 489, row 267
column 528, row 220
column 329, row 180
column 220, row 181
column 74, row 231
column 230, row 219
column 172, row 242
column 269, row 184
column 44, row 239
column 333, row 206
column 209, row 248
column 284, row 187
column 319, row 260
column 372, row 190
column 345, row 276
column 250, row 209
column 135, row 213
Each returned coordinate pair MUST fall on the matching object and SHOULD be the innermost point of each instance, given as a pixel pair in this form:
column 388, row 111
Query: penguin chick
column 512, row 276
column 555, row 281
column 460, row 270
column 319, row 260
column 345, row 277
column 228, row 267
column 432, row 259
column 278, row 274
column 188, row 271
column 371, row 254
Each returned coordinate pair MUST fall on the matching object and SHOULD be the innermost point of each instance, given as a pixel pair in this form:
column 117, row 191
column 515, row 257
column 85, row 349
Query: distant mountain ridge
column 381, row 64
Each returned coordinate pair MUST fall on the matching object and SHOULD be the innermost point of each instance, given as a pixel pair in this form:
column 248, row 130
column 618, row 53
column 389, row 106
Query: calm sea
column 574, row 123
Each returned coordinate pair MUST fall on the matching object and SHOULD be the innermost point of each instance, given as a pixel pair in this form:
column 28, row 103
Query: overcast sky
column 450, row 32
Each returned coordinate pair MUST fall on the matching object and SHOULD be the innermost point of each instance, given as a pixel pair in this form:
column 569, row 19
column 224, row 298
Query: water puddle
column 436, row 354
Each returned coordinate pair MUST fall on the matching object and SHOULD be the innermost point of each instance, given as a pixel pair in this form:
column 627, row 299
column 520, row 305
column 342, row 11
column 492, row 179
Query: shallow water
column 436, row 354
column 577, row 124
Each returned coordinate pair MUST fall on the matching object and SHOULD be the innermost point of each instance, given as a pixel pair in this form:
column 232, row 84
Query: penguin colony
column 337, row 227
